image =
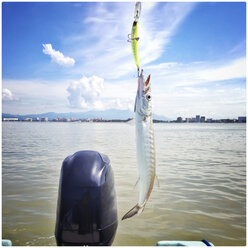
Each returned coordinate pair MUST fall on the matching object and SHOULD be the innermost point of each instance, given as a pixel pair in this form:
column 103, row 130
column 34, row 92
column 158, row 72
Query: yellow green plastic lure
column 134, row 42
column 134, row 34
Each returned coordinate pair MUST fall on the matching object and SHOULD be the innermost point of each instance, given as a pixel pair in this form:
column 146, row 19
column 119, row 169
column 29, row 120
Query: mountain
column 109, row 114
column 160, row 117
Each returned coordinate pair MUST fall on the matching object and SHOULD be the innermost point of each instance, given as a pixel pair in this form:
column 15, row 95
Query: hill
column 110, row 114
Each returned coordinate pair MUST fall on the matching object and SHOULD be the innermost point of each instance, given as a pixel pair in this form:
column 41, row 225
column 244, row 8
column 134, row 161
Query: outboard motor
column 86, row 208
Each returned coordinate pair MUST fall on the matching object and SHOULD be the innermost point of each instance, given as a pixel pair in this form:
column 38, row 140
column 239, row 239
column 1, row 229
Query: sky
column 74, row 57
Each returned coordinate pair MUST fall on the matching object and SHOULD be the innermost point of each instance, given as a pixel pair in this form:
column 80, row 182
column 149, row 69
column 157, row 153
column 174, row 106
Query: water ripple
column 201, row 170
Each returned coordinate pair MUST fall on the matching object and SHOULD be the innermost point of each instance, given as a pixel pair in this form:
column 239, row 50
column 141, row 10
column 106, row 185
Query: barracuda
column 144, row 144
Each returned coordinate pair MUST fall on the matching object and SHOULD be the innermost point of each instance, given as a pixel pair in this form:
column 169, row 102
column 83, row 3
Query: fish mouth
column 143, row 87
column 142, row 84
column 140, row 88
column 147, row 82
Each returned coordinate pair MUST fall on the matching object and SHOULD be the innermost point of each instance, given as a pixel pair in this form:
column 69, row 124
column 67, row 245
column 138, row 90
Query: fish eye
column 148, row 97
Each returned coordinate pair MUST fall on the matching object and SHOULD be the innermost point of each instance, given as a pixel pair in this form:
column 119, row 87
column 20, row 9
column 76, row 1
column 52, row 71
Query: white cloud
column 35, row 96
column 7, row 95
column 119, row 103
column 92, row 93
column 220, row 99
column 57, row 56
column 85, row 93
column 217, row 102
column 37, row 88
column 179, row 74
column 110, row 55
column 233, row 69
column 214, row 89
column 157, row 25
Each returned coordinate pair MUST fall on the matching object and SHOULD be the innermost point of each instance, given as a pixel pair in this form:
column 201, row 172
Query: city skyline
column 101, row 116
column 75, row 57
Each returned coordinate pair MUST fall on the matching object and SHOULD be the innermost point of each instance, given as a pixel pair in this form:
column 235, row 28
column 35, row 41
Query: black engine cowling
column 86, row 208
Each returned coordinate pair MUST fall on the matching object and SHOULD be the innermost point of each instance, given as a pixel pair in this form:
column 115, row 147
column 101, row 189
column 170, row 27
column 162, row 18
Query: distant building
column 202, row 119
column 28, row 119
column 209, row 120
column 188, row 120
column 179, row 119
column 10, row 119
column 44, row 119
column 197, row 118
column 242, row 119
column 36, row 119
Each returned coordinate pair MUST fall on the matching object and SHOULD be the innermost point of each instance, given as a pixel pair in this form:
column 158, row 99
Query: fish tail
column 135, row 210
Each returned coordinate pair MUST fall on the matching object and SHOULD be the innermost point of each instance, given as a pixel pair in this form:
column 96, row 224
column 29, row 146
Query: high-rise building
column 44, row 119
column 179, row 119
column 242, row 119
column 28, row 119
column 197, row 118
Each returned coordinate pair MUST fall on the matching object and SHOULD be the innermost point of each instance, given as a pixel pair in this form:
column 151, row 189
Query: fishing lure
column 133, row 37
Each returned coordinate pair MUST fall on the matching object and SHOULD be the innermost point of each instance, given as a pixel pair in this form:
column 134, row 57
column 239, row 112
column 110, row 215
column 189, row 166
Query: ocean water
column 201, row 170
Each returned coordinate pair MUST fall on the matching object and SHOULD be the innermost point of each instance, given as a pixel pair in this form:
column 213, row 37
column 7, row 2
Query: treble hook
column 130, row 39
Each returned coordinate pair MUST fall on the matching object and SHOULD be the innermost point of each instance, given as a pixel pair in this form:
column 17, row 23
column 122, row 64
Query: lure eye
column 148, row 97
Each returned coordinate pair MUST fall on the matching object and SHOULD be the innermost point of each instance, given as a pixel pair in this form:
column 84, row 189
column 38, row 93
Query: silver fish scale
column 149, row 152
column 150, row 143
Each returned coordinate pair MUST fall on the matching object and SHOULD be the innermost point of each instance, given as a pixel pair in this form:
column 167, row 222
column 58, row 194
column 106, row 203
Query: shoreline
column 234, row 121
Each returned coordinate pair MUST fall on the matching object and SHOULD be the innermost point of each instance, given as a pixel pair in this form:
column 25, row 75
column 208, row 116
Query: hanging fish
column 144, row 144
column 133, row 37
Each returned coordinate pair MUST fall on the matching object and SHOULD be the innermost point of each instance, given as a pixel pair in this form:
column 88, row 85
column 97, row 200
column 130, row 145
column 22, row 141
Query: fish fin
column 157, row 180
column 135, row 210
column 136, row 183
